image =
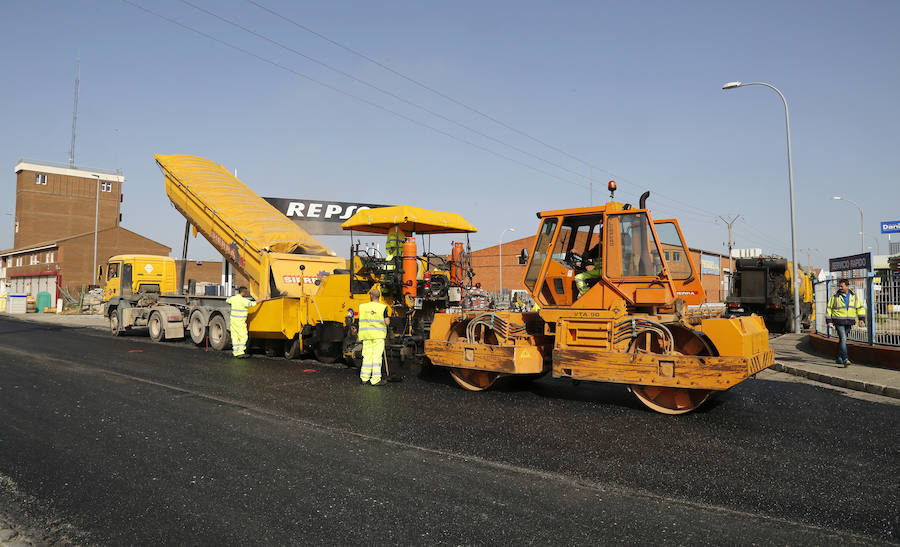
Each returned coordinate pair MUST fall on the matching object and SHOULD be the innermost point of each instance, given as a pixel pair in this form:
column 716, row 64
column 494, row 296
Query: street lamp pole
column 96, row 224
column 787, row 123
column 862, row 245
column 500, row 258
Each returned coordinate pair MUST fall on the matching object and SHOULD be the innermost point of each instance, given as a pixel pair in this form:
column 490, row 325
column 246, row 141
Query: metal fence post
column 870, row 307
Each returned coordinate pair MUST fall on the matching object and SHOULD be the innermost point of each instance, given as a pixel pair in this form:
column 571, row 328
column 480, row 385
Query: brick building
column 53, row 239
column 486, row 263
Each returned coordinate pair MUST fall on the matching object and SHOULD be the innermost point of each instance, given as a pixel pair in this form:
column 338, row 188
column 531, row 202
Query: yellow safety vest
column 239, row 306
column 371, row 321
column 851, row 309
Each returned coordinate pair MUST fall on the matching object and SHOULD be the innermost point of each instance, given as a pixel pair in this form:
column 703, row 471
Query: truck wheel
column 219, row 338
column 155, row 327
column 114, row 323
column 197, row 327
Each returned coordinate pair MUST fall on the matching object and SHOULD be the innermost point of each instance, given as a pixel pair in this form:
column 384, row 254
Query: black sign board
column 854, row 262
column 317, row 216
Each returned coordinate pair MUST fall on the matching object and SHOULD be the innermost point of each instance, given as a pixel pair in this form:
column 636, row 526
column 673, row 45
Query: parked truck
column 762, row 286
column 633, row 326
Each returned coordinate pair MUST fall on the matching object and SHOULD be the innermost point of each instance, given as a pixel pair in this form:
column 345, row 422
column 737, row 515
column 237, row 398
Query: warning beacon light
column 612, row 189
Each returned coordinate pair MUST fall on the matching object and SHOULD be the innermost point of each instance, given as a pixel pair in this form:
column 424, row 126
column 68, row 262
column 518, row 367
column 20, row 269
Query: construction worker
column 844, row 308
column 373, row 323
column 240, row 303
column 586, row 279
column 393, row 247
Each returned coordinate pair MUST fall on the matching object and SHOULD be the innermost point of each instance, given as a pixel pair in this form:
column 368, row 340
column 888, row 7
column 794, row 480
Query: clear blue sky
column 630, row 88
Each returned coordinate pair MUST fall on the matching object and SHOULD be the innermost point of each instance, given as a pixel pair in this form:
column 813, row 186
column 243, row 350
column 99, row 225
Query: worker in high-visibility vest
column 393, row 247
column 373, row 324
column 844, row 308
column 586, row 279
column 240, row 303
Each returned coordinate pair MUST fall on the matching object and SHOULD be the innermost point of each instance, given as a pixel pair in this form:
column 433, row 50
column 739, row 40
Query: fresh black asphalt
column 122, row 441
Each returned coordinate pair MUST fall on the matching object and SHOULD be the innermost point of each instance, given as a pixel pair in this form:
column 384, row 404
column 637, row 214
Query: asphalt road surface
column 121, row 441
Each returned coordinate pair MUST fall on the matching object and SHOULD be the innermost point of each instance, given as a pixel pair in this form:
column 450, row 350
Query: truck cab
column 126, row 275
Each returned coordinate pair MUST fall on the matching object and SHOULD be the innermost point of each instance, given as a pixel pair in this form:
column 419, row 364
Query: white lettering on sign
column 314, row 210
column 331, row 209
column 687, row 292
column 295, row 208
column 890, row 227
column 298, row 279
column 148, row 268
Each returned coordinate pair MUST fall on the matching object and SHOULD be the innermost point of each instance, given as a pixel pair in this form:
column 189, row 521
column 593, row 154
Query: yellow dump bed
column 256, row 238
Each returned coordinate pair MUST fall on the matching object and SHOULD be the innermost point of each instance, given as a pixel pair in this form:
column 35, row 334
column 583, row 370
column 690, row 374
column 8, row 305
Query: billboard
column 319, row 217
column 890, row 227
column 709, row 264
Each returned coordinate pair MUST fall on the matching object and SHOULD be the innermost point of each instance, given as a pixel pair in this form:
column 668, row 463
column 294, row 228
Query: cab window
column 112, row 271
column 578, row 244
column 541, row 247
column 632, row 247
column 677, row 257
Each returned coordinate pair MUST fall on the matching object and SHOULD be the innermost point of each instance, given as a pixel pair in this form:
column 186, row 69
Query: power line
column 466, row 106
column 351, row 95
column 382, row 90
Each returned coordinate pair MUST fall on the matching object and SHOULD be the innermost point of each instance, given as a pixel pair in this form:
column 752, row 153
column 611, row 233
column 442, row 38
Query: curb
column 856, row 385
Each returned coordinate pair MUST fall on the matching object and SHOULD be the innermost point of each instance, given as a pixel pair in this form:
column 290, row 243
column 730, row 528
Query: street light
column 862, row 245
column 96, row 222
column 500, row 257
column 787, row 123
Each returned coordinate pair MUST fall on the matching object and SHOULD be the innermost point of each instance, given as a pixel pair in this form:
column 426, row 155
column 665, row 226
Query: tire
column 155, row 326
column 114, row 326
column 219, row 337
column 197, row 328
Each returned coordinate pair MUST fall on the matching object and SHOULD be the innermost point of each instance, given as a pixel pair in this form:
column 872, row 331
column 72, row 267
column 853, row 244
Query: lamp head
column 835, row 197
column 732, row 85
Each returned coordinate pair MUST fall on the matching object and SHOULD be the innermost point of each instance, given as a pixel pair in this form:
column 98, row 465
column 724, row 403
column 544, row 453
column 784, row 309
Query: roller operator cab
column 615, row 291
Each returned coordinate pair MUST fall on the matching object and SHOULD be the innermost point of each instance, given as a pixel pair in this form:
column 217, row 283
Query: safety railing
column 880, row 294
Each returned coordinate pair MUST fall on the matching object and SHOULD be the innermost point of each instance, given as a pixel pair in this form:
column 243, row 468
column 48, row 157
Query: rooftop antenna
column 74, row 115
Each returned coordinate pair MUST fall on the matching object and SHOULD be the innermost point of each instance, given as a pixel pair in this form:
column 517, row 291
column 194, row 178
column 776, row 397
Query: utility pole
column 730, row 223
column 809, row 250
column 74, row 116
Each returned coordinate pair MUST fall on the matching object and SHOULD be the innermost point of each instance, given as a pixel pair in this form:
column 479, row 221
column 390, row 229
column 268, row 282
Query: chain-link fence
column 880, row 294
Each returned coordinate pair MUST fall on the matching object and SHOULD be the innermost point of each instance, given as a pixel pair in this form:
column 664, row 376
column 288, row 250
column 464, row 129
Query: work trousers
column 238, row 335
column 842, row 331
column 371, row 360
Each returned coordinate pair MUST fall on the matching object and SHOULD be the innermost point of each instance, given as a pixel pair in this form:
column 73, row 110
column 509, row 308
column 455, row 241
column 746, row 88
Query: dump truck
column 632, row 326
column 762, row 286
column 308, row 297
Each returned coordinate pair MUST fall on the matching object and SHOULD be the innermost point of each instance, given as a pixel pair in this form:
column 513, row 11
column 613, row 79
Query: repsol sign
column 319, row 217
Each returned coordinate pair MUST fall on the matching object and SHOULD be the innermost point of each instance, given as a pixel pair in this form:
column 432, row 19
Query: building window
column 667, row 255
column 40, row 178
column 50, row 257
column 676, row 256
column 33, row 259
column 18, row 261
column 106, row 186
